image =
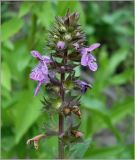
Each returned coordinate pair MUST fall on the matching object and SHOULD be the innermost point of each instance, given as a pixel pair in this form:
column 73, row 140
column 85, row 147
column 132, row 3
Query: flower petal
column 84, row 59
column 93, row 47
column 61, row 45
column 36, row 54
column 76, row 46
column 36, row 75
column 44, row 69
column 46, row 59
column 92, row 65
column 83, row 85
column 91, row 57
column 37, row 88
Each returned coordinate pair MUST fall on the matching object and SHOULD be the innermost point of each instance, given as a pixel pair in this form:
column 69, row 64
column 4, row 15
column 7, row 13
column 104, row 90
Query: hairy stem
column 61, row 118
column 61, row 121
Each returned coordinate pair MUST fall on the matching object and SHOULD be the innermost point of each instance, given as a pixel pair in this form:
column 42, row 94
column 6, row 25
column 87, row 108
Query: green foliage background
column 107, row 109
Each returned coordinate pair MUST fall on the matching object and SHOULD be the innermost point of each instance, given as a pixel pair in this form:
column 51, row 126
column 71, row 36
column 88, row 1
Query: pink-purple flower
column 76, row 46
column 83, row 85
column 40, row 72
column 87, row 58
column 61, row 45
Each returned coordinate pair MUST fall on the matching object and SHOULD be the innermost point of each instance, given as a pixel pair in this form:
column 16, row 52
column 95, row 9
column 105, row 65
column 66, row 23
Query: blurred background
column 107, row 109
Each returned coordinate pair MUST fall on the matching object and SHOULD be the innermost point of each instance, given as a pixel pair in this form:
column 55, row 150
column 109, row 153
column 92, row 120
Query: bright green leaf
column 25, row 8
column 25, row 112
column 122, row 78
column 6, row 76
column 11, row 27
column 44, row 12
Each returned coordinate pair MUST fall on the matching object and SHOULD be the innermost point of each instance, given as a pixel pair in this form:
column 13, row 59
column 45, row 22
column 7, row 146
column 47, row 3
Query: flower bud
column 77, row 134
column 76, row 46
column 60, row 45
column 66, row 110
column 78, row 34
column 35, row 140
column 76, row 111
column 63, row 29
column 56, row 37
column 68, row 37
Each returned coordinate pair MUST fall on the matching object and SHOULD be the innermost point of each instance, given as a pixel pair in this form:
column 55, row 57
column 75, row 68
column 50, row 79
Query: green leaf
column 98, row 109
column 11, row 27
column 5, row 142
column 122, row 78
column 25, row 8
column 78, row 150
column 6, row 76
column 9, row 44
column 77, row 71
column 107, row 68
column 115, row 60
column 43, row 12
column 124, row 30
column 121, row 109
column 92, row 103
column 18, row 60
column 25, row 113
column 113, row 152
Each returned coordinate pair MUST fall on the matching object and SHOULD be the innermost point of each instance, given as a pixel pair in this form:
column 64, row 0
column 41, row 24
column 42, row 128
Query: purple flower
column 61, row 45
column 83, row 85
column 44, row 59
column 40, row 72
column 76, row 46
column 88, row 59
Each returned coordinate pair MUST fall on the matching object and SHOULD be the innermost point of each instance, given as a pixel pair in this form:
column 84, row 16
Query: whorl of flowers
column 56, row 72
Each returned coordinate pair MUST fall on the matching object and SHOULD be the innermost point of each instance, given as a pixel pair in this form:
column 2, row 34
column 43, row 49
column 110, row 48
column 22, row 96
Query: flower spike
column 63, row 87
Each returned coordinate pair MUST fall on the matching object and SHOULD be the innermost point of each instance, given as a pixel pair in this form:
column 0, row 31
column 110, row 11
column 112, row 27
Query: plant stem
column 61, row 118
column 61, row 121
